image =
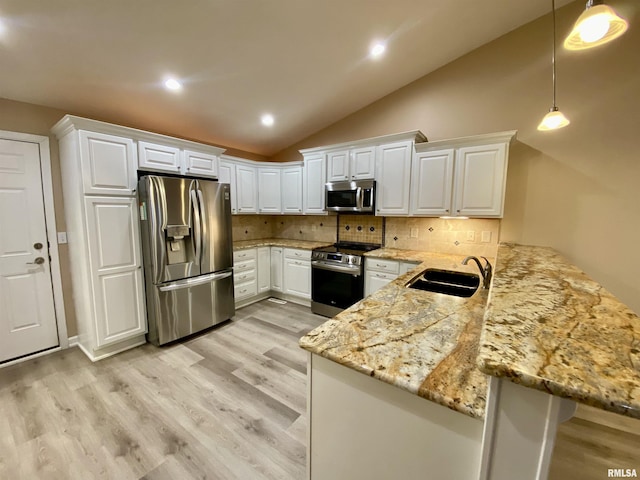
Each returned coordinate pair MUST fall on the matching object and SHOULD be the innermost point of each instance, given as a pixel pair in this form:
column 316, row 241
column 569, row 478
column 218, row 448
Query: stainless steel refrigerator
column 188, row 255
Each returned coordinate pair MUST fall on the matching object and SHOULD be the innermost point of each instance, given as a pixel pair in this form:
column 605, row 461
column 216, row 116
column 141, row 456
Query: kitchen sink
column 448, row 282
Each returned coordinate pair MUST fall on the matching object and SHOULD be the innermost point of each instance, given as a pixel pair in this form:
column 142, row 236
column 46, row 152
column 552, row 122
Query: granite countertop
column 423, row 342
column 550, row 327
column 278, row 242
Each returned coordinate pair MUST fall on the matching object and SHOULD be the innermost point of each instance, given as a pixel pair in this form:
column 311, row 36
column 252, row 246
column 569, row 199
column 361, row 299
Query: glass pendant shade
column 553, row 120
column 597, row 25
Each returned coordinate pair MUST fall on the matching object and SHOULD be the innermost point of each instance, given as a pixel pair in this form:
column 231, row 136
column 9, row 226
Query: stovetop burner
column 349, row 248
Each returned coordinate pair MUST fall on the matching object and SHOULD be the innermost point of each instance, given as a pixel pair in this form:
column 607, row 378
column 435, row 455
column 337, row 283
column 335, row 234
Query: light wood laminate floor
column 228, row 404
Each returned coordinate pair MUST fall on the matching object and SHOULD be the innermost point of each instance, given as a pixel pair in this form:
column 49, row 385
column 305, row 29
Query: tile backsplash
column 251, row 227
column 298, row 227
column 464, row 237
column 360, row 228
column 475, row 236
column 309, row 227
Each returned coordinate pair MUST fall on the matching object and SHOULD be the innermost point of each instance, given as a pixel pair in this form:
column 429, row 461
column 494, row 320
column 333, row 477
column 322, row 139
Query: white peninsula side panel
column 364, row 429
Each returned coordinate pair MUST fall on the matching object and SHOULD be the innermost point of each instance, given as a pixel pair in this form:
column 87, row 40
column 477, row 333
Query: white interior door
column 27, row 314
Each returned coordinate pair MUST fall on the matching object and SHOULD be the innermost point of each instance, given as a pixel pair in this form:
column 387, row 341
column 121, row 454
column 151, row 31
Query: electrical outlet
column 486, row 237
column 414, row 233
column 62, row 237
column 471, row 236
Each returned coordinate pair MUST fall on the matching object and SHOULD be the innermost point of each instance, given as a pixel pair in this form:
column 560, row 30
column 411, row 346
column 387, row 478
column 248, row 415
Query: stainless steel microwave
column 350, row 197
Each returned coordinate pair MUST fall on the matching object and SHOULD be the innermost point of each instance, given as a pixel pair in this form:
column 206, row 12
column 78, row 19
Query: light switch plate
column 486, row 237
column 414, row 233
column 471, row 236
column 62, row 237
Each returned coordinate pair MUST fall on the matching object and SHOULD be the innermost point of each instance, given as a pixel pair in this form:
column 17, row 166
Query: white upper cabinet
column 432, row 181
column 108, row 164
column 338, row 166
column 246, row 189
column 200, row 164
column 269, row 190
column 352, row 164
column 227, row 174
column 476, row 183
column 292, row 190
column 393, row 178
column 480, row 180
column 160, row 158
column 314, row 180
column 157, row 157
column 363, row 161
column 258, row 188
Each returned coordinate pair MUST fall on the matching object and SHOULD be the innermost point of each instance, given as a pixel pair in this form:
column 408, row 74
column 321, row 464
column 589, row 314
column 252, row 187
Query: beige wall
column 575, row 189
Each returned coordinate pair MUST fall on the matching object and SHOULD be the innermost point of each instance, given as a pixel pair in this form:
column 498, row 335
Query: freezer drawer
column 178, row 309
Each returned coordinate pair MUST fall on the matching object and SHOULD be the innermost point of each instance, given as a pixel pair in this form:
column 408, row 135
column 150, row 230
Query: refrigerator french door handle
column 192, row 282
column 203, row 234
column 195, row 204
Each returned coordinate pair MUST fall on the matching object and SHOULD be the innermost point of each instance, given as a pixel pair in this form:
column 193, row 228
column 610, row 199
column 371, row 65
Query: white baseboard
column 73, row 341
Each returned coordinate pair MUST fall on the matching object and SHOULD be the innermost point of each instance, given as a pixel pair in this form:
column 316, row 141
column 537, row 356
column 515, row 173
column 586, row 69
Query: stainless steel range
column 337, row 277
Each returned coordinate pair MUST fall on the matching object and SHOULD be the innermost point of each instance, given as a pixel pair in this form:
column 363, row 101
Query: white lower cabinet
column 261, row 271
column 407, row 266
column 277, row 265
column 379, row 272
column 264, row 269
column 297, row 272
column 114, row 252
column 245, row 278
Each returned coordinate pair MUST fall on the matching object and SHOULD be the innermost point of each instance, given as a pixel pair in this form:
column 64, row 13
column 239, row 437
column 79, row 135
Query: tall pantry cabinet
column 101, row 211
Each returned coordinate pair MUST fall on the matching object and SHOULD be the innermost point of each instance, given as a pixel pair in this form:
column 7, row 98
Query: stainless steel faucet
column 486, row 271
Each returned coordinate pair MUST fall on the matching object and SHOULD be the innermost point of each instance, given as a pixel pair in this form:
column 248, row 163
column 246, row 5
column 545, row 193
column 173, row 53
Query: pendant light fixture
column 554, row 119
column 597, row 25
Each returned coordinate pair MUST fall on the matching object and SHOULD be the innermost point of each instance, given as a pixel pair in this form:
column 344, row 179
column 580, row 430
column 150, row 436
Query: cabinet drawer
column 379, row 265
column 244, row 276
column 245, row 290
column 297, row 254
column 244, row 266
column 242, row 255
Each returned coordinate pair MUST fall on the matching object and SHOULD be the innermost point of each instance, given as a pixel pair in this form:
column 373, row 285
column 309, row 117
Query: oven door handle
column 353, row 270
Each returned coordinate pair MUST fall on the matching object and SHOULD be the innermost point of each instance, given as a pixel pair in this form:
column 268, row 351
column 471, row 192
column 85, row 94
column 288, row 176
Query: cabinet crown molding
column 414, row 135
column 69, row 123
column 256, row 163
column 484, row 139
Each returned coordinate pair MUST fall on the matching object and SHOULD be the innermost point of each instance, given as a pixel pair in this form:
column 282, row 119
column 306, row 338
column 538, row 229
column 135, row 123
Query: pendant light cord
column 553, row 53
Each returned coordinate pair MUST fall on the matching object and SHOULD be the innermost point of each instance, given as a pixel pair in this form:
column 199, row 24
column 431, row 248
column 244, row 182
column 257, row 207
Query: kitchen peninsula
column 541, row 326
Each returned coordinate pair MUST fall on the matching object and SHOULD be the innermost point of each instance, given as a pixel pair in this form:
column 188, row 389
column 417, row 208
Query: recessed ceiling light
column 172, row 84
column 377, row 50
column 267, row 119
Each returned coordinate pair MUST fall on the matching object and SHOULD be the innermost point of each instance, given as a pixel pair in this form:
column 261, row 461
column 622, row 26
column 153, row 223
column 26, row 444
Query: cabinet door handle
column 380, row 265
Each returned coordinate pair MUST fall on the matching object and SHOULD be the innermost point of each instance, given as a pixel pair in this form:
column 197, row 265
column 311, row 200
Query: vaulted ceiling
column 304, row 61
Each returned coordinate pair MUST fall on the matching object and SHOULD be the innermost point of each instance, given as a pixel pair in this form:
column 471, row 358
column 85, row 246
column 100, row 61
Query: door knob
column 37, row 261
column 37, row 245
